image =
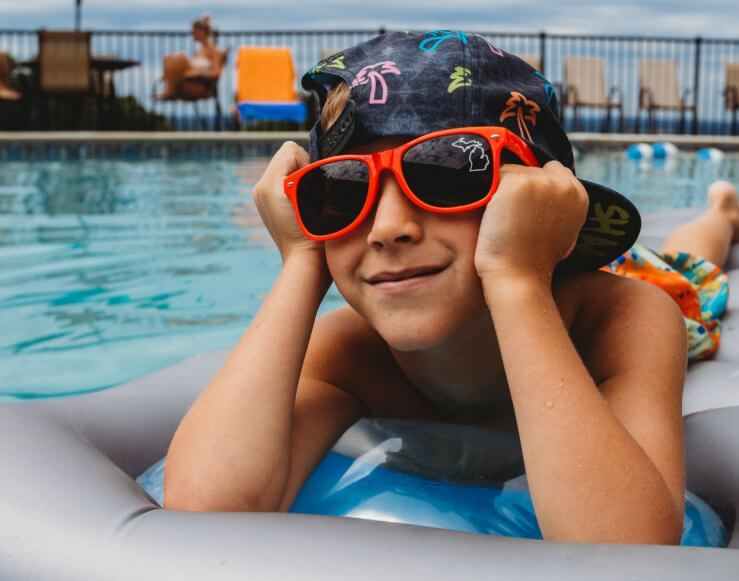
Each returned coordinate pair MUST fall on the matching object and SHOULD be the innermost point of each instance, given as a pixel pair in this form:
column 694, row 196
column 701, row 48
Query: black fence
column 701, row 68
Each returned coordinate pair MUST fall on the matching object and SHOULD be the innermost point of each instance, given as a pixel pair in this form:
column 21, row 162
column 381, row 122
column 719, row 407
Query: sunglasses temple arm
column 519, row 147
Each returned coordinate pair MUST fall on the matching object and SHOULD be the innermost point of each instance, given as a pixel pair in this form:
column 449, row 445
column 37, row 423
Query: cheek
column 342, row 260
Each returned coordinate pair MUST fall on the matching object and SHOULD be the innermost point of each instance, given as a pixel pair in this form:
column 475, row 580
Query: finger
column 289, row 158
column 556, row 170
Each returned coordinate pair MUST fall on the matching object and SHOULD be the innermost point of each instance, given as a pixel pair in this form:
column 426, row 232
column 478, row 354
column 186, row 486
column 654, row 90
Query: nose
column 395, row 220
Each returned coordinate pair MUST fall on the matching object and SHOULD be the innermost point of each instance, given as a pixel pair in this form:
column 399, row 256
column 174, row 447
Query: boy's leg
column 711, row 235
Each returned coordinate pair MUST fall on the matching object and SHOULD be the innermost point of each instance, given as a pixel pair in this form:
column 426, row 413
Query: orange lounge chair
column 266, row 85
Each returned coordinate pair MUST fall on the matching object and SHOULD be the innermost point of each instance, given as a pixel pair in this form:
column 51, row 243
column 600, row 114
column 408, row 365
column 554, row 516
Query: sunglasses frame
column 498, row 138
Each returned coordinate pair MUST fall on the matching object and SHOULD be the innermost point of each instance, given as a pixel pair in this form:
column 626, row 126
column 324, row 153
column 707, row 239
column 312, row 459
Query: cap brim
column 611, row 228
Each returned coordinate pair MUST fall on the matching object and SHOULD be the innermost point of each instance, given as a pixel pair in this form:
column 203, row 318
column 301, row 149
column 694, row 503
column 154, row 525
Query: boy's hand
column 532, row 222
column 274, row 206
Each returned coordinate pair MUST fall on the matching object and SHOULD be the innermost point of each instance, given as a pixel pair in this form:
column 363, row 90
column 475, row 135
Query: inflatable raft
column 71, row 510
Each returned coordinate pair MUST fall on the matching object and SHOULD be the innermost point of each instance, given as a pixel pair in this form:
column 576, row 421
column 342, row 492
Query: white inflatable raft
column 71, row 510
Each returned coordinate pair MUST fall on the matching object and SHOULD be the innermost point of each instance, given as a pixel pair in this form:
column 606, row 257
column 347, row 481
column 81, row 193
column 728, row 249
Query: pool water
column 110, row 269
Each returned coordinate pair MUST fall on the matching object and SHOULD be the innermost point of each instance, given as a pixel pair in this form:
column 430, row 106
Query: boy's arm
column 232, row 449
column 604, row 465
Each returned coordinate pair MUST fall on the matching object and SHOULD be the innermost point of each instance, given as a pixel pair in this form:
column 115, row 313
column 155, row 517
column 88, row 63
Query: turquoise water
column 112, row 269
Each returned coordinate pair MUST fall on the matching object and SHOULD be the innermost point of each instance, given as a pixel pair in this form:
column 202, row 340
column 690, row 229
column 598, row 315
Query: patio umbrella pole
column 77, row 14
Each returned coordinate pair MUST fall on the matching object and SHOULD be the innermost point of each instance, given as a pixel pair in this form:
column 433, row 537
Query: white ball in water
column 710, row 154
column 664, row 149
column 639, row 151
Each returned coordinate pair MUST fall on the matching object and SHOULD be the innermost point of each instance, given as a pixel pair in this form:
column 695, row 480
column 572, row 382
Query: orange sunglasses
column 447, row 172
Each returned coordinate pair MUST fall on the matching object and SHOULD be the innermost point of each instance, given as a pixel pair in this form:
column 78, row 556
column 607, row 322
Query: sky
column 682, row 18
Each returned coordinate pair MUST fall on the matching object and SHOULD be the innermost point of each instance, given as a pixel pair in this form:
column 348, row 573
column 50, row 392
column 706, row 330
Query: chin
column 414, row 331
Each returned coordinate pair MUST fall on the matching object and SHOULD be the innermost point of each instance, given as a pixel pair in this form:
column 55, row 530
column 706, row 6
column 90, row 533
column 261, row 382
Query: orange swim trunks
column 699, row 287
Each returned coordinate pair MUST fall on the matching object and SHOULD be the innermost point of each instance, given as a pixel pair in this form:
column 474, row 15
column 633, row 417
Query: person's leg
column 175, row 67
column 712, row 233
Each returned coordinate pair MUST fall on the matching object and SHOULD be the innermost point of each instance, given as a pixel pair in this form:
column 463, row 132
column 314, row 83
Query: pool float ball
column 639, row 151
column 663, row 150
column 710, row 154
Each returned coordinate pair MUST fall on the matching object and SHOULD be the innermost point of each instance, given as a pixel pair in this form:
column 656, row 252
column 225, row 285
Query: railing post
column 696, row 80
column 543, row 51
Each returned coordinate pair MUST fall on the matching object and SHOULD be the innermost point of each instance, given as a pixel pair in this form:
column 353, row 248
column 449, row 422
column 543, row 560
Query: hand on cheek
column 532, row 221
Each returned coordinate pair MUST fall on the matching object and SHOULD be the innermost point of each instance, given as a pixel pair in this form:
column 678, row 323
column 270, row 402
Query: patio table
column 100, row 65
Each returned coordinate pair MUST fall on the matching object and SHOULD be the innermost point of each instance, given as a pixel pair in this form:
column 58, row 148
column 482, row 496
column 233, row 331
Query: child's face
column 421, row 312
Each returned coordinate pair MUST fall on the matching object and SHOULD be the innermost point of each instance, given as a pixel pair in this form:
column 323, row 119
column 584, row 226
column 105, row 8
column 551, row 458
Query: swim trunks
column 698, row 286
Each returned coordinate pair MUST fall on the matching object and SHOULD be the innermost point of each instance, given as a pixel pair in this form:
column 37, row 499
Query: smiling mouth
column 404, row 279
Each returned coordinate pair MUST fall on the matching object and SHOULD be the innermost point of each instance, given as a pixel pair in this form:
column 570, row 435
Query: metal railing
column 701, row 67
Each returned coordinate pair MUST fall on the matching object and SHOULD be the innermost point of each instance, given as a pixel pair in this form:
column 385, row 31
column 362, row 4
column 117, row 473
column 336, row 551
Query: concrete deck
column 580, row 140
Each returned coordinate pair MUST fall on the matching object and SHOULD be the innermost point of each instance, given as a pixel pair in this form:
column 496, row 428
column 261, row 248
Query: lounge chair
column 659, row 90
column 64, row 70
column 585, row 86
column 533, row 59
column 731, row 92
column 266, row 85
column 191, row 89
column 7, row 93
column 327, row 52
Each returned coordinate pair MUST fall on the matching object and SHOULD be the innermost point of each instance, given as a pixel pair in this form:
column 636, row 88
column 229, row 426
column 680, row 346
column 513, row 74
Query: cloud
column 659, row 17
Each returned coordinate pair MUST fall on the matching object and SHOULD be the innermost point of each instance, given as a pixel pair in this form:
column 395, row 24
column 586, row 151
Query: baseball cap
column 410, row 84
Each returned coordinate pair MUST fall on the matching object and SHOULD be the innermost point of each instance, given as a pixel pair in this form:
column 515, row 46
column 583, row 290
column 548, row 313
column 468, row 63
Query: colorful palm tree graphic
column 494, row 49
column 437, row 37
column 375, row 77
column 550, row 92
column 461, row 77
column 523, row 110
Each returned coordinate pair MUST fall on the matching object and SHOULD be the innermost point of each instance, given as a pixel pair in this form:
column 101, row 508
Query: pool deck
column 587, row 141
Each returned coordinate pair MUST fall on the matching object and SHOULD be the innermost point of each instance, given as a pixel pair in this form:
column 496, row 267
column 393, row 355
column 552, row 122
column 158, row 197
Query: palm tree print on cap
column 494, row 49
column 438, row 37
column 461, row 77
column 523, row 110
column 337, row 63
column 375, row 77
column 550, row 92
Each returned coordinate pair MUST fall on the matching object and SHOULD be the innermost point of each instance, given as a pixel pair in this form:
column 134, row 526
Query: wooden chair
column 532, row 59
column 64, row 69
column 659, row 90
column 731, row 92
column 194, row 89
column 327, row 52
column 7, row 93
column 585, row 86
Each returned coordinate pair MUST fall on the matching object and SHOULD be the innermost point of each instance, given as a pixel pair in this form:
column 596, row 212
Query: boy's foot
column 723, row 197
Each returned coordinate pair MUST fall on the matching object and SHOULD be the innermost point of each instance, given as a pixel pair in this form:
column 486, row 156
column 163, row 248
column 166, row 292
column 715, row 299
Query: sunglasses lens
column 331, row 196
column 449, row 171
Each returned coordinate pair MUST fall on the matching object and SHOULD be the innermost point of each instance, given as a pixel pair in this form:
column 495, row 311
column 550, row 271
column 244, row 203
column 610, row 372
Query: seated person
column 445, row 250
column 194, row 78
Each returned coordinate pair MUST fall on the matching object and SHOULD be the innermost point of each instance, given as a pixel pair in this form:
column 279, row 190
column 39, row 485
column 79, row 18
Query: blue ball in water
column 710, row 154
column 639, row 151
column 663, row 150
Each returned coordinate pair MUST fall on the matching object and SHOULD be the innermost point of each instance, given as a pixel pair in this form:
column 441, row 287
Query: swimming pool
column 110, row 269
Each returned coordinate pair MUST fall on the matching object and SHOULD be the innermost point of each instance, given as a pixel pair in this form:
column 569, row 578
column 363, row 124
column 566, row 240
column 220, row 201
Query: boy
column 455, row 311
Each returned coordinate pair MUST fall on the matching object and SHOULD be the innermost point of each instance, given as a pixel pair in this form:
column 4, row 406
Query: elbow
column 209, row 503
column 657, row 531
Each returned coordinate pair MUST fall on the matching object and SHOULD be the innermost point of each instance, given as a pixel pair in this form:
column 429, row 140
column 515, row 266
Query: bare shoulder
column 620, row 323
